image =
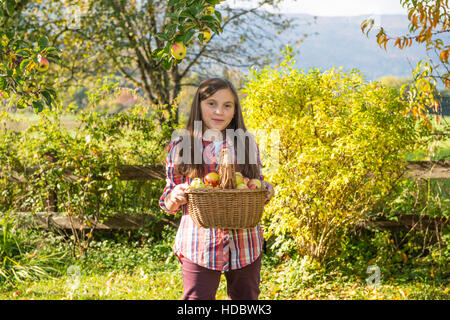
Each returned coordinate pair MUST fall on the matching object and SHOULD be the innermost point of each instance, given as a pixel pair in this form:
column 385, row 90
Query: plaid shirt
column 216, row 249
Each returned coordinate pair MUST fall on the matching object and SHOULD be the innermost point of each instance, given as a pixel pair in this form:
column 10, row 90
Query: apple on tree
column 209, row 10
column 206, row 35
column 42, row 64
column 178, row 50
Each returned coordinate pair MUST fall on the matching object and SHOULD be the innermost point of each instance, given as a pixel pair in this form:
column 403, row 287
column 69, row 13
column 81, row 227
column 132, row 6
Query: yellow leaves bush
column 341, row 149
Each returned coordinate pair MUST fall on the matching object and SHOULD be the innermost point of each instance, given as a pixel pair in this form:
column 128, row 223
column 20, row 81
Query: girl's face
column 218, row 110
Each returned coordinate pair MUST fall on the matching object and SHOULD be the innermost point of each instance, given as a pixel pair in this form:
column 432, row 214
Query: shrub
column 341, row 147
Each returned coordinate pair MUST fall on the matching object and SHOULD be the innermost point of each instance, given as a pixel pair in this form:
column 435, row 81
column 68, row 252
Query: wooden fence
column 414, row 169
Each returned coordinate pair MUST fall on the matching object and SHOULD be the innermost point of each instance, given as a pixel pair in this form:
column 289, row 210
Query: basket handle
column 226, row 170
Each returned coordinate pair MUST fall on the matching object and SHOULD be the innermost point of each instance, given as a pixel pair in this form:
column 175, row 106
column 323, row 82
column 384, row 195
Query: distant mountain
column 340, row 42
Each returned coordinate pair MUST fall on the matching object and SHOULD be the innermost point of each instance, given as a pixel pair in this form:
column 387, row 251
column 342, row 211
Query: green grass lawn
column 127, row 270
column 167, row 285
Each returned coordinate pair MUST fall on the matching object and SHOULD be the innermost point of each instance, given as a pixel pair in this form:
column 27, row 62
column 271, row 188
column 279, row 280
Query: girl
column 206, row 253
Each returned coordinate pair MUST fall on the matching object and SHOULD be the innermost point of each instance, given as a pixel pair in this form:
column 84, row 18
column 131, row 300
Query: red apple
column 212, row 178
column 246, row 180
column 43, row 64
column 254, row 184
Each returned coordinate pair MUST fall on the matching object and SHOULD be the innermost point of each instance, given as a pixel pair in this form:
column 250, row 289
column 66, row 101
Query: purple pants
column 202, row 283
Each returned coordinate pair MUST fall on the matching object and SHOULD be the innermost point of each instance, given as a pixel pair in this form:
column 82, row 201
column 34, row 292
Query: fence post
column 52, row 200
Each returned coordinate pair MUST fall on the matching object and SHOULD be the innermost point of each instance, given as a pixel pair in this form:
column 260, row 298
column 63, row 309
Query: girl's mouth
column 218, row 121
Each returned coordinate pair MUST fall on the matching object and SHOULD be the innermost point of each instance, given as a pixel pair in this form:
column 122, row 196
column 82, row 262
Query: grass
column 167, row 285
column 147, row 270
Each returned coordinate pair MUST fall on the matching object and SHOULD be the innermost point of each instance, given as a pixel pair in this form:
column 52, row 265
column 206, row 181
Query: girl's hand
column 176, row 197
column 268, row 186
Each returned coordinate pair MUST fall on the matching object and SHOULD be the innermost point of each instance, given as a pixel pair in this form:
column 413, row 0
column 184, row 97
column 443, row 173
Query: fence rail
column 415, row 169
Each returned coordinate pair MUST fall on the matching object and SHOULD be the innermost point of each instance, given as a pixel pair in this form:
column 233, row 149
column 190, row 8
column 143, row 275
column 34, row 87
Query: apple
column 42, row 64
column 4, row 95
column 197, row 184
column 212, row 178
column 206, row 34
column 241, row 186
column 246, row 180
column 239, row 178
column 178, row 50
column 209, row 10
column 254, row 184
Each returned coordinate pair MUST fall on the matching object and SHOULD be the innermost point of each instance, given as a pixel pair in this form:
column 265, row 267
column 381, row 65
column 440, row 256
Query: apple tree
column 23, row 63
column 154, row 45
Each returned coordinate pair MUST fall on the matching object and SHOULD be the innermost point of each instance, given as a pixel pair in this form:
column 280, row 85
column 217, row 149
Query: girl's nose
column 219, row 110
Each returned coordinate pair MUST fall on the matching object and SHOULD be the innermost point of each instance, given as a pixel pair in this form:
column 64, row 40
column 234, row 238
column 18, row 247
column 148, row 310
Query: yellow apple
column 206, row 35
column 209, row 10
column 178, row 50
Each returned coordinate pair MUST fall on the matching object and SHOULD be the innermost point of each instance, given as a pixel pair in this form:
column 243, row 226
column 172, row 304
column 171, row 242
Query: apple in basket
column 254, row 184
column 239, row 178
column 197, row 184
column 241, row 186
column 212, row 179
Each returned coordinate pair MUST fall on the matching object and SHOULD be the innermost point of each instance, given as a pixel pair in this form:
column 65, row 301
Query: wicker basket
column 226, row 208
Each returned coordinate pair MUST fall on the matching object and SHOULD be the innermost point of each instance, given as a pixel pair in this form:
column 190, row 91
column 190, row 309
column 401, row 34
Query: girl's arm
column 167, row 202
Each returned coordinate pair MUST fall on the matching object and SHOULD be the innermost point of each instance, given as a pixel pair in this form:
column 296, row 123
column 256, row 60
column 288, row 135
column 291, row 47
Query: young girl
column 207, row 253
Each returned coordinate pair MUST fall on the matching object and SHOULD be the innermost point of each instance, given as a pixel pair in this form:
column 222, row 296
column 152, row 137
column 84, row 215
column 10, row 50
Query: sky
column 332, row 7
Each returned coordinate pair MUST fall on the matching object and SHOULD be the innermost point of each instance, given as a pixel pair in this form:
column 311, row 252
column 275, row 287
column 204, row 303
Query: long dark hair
column 206, row 89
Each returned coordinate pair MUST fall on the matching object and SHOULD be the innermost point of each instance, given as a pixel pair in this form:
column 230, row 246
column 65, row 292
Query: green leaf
column 218, row 15
column 167, row 64
column 52, row 92
column 38, row 106
column 208, row 19
column 2, row 83
column 188, row 36
column 53, row 57
column 47, row 97
column 24, row 52
column 24, row 64
column 173, row 16
column 10, row 5
column 43, row 42
column 51, row 49
column 162, row 36
column 187, row 14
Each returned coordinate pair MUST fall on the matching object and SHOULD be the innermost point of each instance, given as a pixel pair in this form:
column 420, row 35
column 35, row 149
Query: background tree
column 129, row 37
column 23, row 63
column 432, row 19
